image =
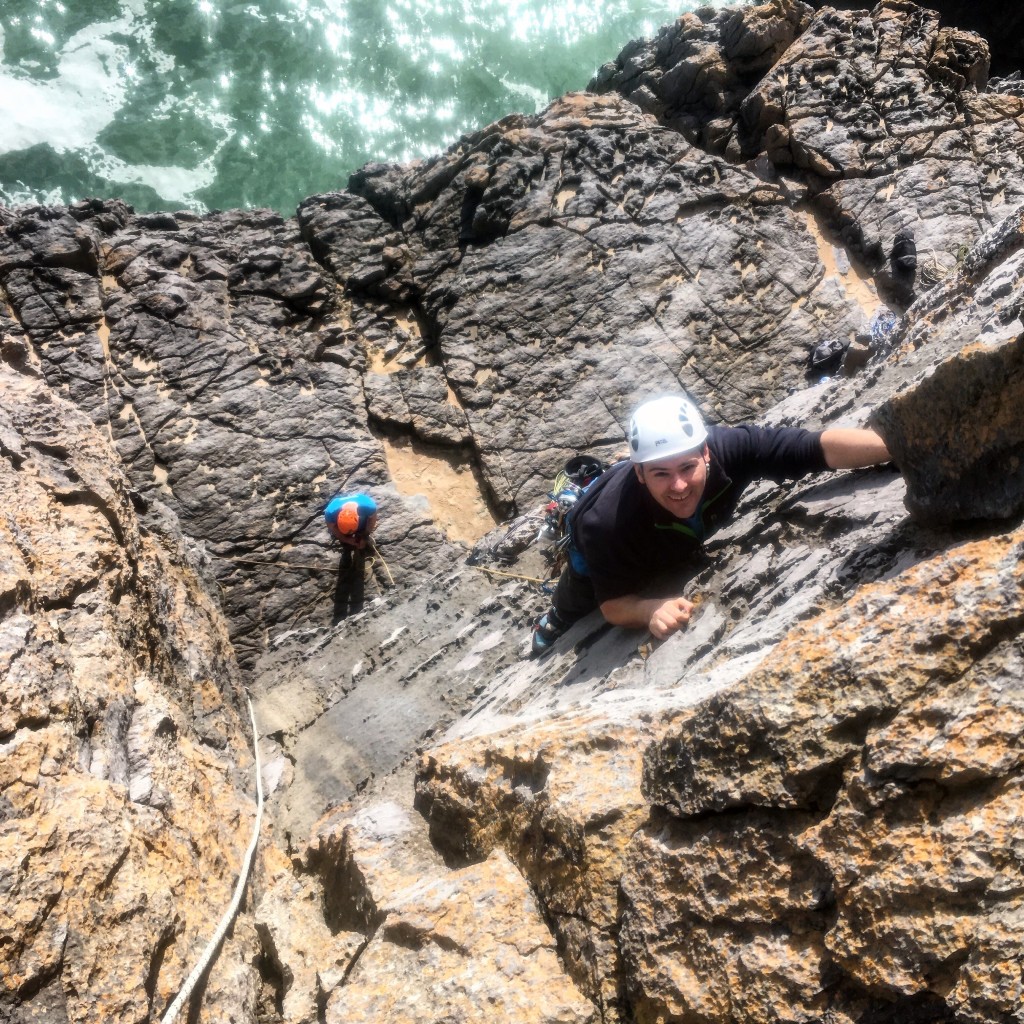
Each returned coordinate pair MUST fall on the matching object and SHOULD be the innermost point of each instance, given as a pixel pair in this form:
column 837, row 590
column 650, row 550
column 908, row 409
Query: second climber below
column 637, row 529
column 351, row 518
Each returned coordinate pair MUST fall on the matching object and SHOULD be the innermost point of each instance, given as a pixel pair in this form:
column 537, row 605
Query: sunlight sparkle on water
column 317, row 134
column 173, row 83
column 445, row 45
column 444, row 111
column 566, row 20
column 335, row 33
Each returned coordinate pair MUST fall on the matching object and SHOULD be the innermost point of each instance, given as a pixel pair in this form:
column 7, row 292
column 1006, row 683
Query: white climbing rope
column 229, row 915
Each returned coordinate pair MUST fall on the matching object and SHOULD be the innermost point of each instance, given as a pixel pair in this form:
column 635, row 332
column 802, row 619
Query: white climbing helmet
column 663, row 427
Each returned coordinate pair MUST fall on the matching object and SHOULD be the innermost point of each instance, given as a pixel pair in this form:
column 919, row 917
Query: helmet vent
column 665, row 426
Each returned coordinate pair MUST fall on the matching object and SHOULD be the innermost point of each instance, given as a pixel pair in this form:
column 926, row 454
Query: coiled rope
column 229, row 915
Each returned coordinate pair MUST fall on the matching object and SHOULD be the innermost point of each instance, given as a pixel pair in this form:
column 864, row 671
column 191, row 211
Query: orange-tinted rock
column 847, row 817
column 309, row 958
column 471, row 947
column 562, row 799
column 125, row 771
column 364, row 857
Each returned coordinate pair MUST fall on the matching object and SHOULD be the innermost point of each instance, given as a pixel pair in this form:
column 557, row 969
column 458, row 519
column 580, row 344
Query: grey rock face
column 511, row 299
column 215, row 354
column 350, row 705
column 1002, row 27
column 886, row 113
column 125, row 767
column 419, row 400
column 570, row 262
column 955, row 473
column 696, row 73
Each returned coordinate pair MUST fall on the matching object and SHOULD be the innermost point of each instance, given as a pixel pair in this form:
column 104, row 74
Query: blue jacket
column 350, row 517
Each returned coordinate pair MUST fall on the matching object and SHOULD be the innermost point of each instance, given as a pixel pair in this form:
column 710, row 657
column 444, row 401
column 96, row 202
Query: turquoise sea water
column 206, row 104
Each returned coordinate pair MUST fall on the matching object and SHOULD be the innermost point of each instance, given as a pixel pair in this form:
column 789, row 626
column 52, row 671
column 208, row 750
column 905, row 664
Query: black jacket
column 629, row 542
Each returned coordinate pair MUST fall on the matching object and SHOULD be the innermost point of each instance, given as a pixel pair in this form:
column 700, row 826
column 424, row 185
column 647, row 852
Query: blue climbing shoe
column 546, row 630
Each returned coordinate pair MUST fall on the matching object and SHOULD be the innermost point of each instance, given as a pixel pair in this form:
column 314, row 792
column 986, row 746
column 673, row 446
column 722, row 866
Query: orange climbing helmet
column 350, row 516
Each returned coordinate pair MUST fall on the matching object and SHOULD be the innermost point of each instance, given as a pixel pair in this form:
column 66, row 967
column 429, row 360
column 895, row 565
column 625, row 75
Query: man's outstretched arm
column 662, row 616
column 851, row 448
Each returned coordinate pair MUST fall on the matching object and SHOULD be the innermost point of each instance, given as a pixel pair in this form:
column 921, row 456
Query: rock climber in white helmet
column 641, row 523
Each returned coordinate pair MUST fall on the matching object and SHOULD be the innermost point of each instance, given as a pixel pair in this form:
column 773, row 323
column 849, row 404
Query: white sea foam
column 173, row 183
column 313, row 88
column 70, row 111
column 538, row 97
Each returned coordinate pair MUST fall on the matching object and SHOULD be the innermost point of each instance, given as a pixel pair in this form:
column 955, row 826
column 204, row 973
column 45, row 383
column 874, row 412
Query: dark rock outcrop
column 568, row 262
column 885, row 112
column 218, row 357
column 696, row 74
column 1000, row 25
column 955, row 473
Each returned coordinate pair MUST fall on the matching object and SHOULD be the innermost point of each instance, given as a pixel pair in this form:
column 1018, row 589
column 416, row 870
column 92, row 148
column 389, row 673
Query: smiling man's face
column 677, row 483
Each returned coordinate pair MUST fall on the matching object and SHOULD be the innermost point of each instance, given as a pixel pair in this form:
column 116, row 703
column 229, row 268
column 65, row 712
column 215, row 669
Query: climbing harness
column 562, row 499
column 577, row 475
column 229, row 915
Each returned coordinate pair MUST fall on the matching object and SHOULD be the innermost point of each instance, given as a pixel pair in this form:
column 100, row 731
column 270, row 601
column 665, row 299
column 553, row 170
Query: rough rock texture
column 696, row 73
column 419, row 401
column 804, row 807
column 563, row 804
column 475, row 941
column 724, row 920
column 955, row 473
column 217, row 356
column 365, row 858
column 870, row 791
column 886, row 113
column 125, row 780
column 546, row 253
column 307, row 957
column 1002, row 26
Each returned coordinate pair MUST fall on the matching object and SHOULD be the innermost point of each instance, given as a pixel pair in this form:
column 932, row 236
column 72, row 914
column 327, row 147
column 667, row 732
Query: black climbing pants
column 574, row 596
